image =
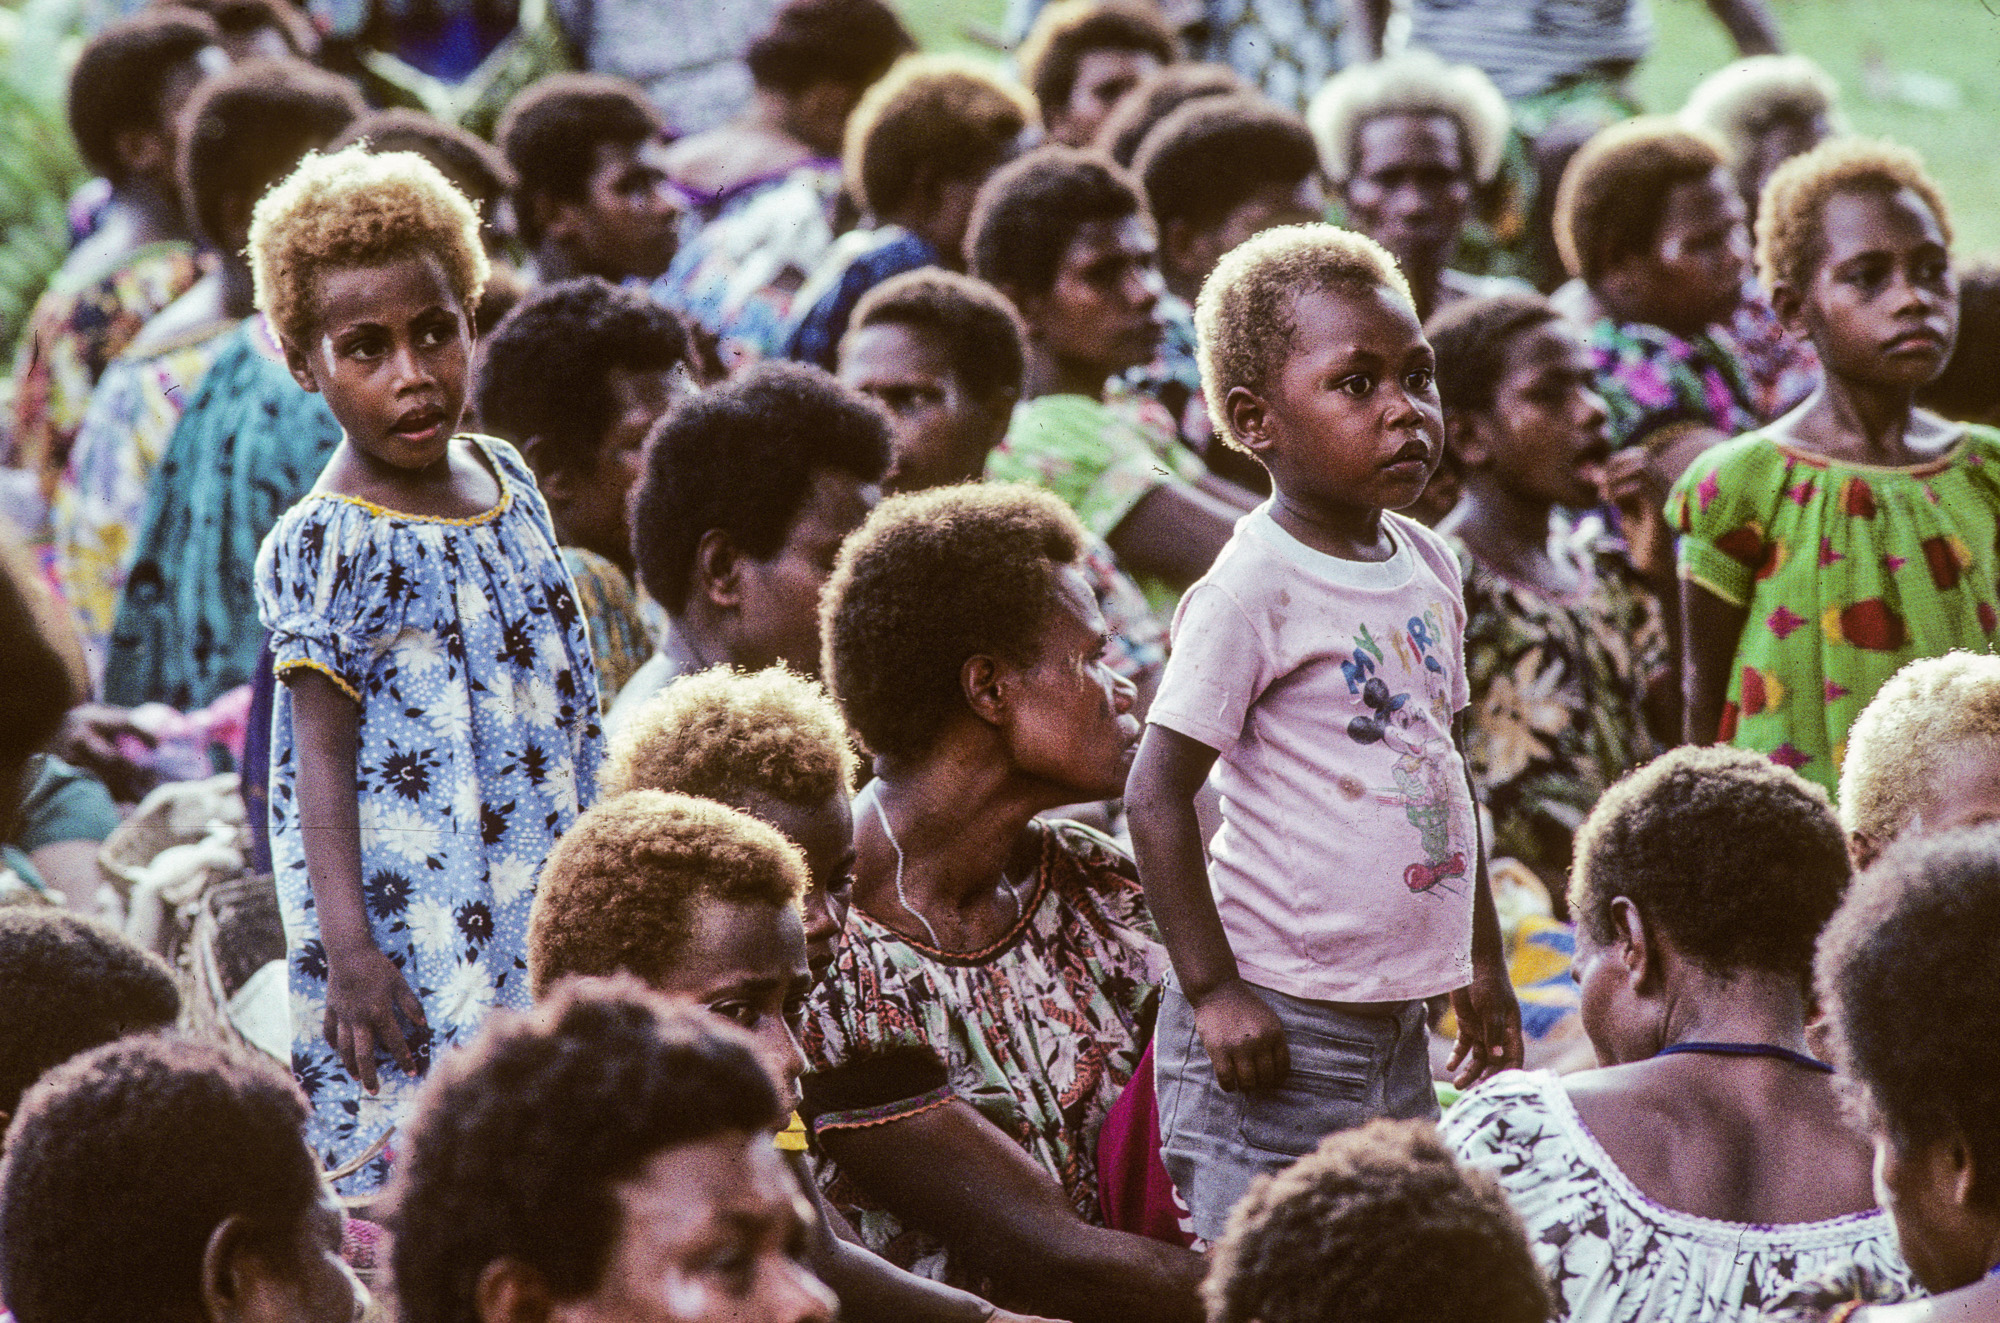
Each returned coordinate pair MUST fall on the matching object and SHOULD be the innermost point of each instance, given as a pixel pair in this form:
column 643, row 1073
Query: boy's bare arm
column 1243, row 1037
column 1489, row 1014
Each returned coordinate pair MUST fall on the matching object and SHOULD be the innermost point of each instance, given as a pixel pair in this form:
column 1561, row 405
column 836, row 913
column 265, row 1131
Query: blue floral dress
column 462, row 641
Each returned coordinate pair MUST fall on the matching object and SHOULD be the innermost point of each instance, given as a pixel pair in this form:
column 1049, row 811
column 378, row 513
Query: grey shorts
column 1351, row 1062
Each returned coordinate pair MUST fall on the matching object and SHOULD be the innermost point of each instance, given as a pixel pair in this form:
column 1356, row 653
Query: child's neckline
column 1944, row 459
column 468, row 521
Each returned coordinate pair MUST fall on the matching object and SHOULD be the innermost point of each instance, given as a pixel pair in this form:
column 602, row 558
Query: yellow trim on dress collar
column 484, row 517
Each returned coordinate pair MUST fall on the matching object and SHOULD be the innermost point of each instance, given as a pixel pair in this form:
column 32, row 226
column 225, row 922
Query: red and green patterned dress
column 1847, row 572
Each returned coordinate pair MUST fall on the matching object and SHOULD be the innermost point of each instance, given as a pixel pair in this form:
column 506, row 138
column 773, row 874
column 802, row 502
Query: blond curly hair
column 1925, row 708
column 1793, row 204
column 723, row 733
column 355, row 207
column 1414, row 82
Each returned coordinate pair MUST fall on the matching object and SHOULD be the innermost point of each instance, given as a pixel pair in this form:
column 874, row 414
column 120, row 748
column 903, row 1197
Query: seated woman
column 987, row 1005
column 1924, row 920
column 1566, row 644
column 809, row 69
column 1705, row 1168
column 1410, row 141
column 1649, row 222
column 1065, row 235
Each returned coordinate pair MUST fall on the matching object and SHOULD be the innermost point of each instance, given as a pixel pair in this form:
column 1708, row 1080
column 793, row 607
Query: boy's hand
column 1245, row 1041
column 364, row 991
column 1632, row 485
column 1489, row 1025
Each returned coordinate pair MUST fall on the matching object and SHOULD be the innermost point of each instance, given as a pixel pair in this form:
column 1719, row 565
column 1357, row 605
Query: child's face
column 942, row 434
column 1882, row 307
column 393, row 345
column 1351, row 421
column 1545, row 437
column 1098, row 314
column 746, row 961
column 626, row 224
column 1411, row 190
column 1692, row 277
column 824, row 833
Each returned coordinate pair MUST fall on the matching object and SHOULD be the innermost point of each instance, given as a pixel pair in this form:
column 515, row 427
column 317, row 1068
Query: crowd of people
column 1095, row 688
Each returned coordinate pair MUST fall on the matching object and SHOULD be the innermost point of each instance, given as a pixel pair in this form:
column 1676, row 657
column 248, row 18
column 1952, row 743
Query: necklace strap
column 1748, row 1050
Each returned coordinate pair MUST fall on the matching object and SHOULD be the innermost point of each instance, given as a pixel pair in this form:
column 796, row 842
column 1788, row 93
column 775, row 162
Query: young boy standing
column 1318, row 667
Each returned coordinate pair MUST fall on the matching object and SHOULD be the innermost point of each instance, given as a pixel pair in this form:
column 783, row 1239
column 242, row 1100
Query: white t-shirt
column 1348, row 851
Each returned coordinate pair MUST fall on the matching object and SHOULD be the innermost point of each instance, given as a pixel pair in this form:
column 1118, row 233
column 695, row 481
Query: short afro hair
column 931, row 579
column 724, row 734
column 518, row 1144
column 970, row 321
column 359, row 208
column 619, row 891
column 1747, row 97
column 1030, row 210
column 779, row 421
column 239, row 20
column 1926, row 707
column 123, row 1162
column 68, row 985
column 1968, row 390
column 851, row 42
column 1920, row 925
column 1474, row 343
column 1158, row 95
column 1615, row 189
column 244, row 130
column 1212, row 155
column 121, row 74
column 1414, row 82
column 1379, row 1224
column 1244, row 325
column 929, row 112
column 474, row 167
column 1737, row 860
column 1068, row 30
column 545, row 371
column 550, row 134
column 1793, row 205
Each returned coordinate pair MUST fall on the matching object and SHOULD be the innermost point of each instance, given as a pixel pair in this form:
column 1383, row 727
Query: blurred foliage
column 39, row 167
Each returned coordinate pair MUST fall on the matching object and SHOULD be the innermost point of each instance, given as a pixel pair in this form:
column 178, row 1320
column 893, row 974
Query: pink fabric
column 1134, row 1191
column 1347, row 855
column 364, row 1245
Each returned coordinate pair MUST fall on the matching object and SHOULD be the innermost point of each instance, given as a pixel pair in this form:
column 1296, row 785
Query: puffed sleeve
column 1722, row 507
column 333, row 590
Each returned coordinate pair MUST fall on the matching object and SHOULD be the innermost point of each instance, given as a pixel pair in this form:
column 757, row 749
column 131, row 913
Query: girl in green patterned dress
column 1857, row 532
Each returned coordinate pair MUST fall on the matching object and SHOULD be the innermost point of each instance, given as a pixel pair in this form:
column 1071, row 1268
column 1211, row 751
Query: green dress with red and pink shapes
column 1847, row 572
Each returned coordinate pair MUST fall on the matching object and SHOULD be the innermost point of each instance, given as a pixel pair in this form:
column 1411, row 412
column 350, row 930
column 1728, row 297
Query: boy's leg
column 1350, row 1063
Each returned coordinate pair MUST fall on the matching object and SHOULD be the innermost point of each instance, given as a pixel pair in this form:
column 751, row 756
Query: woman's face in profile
column 1069, row 716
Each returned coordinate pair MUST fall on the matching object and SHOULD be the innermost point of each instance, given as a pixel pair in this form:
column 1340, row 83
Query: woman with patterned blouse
column 994, row 990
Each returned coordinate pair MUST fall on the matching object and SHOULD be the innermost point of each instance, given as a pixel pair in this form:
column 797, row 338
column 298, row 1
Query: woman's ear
column 1789, row 302
column 234, row 1277
column 718, row 569
column 1633, row 944
column 1862, row 850
column 510, row 1291
column 1468, row 435
column 983, row 682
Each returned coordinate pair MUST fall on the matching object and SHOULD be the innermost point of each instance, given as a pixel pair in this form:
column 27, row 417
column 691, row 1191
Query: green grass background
column 1957, row 40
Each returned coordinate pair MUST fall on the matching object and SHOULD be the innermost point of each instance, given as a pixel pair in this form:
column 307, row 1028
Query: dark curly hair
column 944, row 113
column 244, row 130
column 473, row 165
column 1053, row 50
column 852, row 42
column 122, row 1163
column 1209, row 157
column 551, row 132
column 1968, row 390
column 1614, row 191
column 1158, row 95
column 778, row 421
column 68, row 985
column 518, row 1143
column 118, row 79
column 619, row 892
column 545, row 371
column 1737, row 860
column 931, row 579
column 1921, row 925
column 1029, row 211
column 1377, row 1225
column 972, row 322
column 1473, row 340
column 243, row 19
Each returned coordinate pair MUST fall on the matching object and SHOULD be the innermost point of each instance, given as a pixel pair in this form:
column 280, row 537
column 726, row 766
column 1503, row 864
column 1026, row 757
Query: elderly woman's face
column 1069, row 716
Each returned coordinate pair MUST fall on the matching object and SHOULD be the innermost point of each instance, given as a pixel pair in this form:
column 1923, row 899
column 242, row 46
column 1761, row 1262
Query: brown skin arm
column 1175, row 532
column 1633, row 486
column 1371, row 19
column 1489, row 1014
column 364, row 989
column 1710, row 630
column 1751, row 26
column 953, row 1173
column 1244, row 1039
